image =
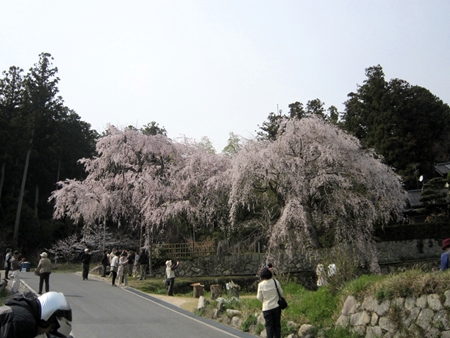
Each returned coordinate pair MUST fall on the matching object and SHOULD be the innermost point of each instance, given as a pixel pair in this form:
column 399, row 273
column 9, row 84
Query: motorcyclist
column 25, row 316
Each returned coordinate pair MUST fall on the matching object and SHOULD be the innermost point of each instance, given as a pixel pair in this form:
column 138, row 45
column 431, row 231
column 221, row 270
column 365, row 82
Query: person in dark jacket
column 131, row 258
column 25, row 316
column 143, row 262
column 86, row 260
column 445, row 255
column 105, row 262
column 8, row 258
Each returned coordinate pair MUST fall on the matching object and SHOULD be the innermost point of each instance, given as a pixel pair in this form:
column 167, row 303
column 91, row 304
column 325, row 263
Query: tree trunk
column 311, row 230
column 150, row 256
column 59, row 169
column 36, row 199
column 2, row 178
column 22, row 193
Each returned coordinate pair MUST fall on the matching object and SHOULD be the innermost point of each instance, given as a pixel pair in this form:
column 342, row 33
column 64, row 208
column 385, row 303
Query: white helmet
column 55, row 309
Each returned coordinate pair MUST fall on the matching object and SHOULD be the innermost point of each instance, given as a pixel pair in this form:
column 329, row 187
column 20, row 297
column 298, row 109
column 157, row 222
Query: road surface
column 100, row 310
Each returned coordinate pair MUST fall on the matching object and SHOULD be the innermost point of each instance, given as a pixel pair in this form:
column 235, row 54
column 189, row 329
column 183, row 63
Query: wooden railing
column 185, row 250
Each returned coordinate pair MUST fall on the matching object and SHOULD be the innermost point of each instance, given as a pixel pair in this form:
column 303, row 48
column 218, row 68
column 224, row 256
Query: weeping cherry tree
column 145, row 180
column 127, row 182
column 322, row 182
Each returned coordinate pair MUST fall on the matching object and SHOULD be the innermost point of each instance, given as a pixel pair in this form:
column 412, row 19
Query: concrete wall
column 399, row 251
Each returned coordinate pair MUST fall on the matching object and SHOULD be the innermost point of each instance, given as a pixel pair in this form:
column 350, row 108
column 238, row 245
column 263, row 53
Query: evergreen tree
column 270, row 129
column 41, row 142
column 407, row 125
column 153, row 128
column 435, row 198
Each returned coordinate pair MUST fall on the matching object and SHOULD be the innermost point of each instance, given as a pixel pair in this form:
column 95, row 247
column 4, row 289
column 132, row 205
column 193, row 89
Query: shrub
column 251, row 320
column 346, row 260
column 360, row 287
column 412, row 283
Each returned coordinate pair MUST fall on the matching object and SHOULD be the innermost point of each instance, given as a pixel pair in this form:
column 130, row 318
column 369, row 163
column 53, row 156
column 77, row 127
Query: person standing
column 114, row 266
column 268, row 295
column 170, row 274
column 86, row 260
column 143, row 262
column 136, row 265
column 321, row 275
column 45, row 269
column 122, row 270
column 8, row 258
column 105, row 262
column 131, row 257
column 445, row 255
column 16, row 266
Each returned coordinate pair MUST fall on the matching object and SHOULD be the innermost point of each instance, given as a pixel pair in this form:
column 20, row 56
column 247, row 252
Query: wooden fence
column 185, row 250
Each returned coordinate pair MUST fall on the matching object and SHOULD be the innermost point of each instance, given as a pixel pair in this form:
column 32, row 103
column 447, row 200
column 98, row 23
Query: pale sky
column 208, row 68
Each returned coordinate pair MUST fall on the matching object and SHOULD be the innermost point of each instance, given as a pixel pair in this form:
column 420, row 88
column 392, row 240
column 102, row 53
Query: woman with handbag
column 269, row 293
column 44, row 269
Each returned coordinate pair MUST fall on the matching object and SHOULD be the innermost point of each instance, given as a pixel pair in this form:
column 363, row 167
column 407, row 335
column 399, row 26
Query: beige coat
column 268, row 295
column 45, row 265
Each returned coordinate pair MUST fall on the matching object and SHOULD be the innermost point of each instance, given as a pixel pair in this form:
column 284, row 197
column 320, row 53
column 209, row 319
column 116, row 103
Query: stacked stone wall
column 392, row 252
column 425, row 316
column 400, row 251
column 237, row 265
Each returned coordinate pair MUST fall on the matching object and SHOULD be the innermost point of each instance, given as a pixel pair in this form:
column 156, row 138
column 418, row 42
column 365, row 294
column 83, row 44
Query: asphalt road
column 100, row 310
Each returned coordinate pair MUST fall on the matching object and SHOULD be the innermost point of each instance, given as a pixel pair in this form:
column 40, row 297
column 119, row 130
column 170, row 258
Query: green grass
column 359, row 287
column 315, row 307
column 412, row 283
column 66, row 268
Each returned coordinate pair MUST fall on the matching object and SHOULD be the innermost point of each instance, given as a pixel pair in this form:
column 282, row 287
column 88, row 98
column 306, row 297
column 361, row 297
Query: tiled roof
column 443, row 168
column 414, row 198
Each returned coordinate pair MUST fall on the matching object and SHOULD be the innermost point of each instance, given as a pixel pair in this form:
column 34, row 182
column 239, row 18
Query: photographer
column 16, row 267
column 25, row 316
column 170, row 274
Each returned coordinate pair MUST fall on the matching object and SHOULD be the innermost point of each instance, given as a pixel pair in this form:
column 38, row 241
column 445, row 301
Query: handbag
column 281, row 301
column 36, row 272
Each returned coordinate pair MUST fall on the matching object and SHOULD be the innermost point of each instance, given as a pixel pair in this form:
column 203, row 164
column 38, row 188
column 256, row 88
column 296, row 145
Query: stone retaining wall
column 250, row 264
column 417, row 249
column 239, row 265
column 426, row 316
